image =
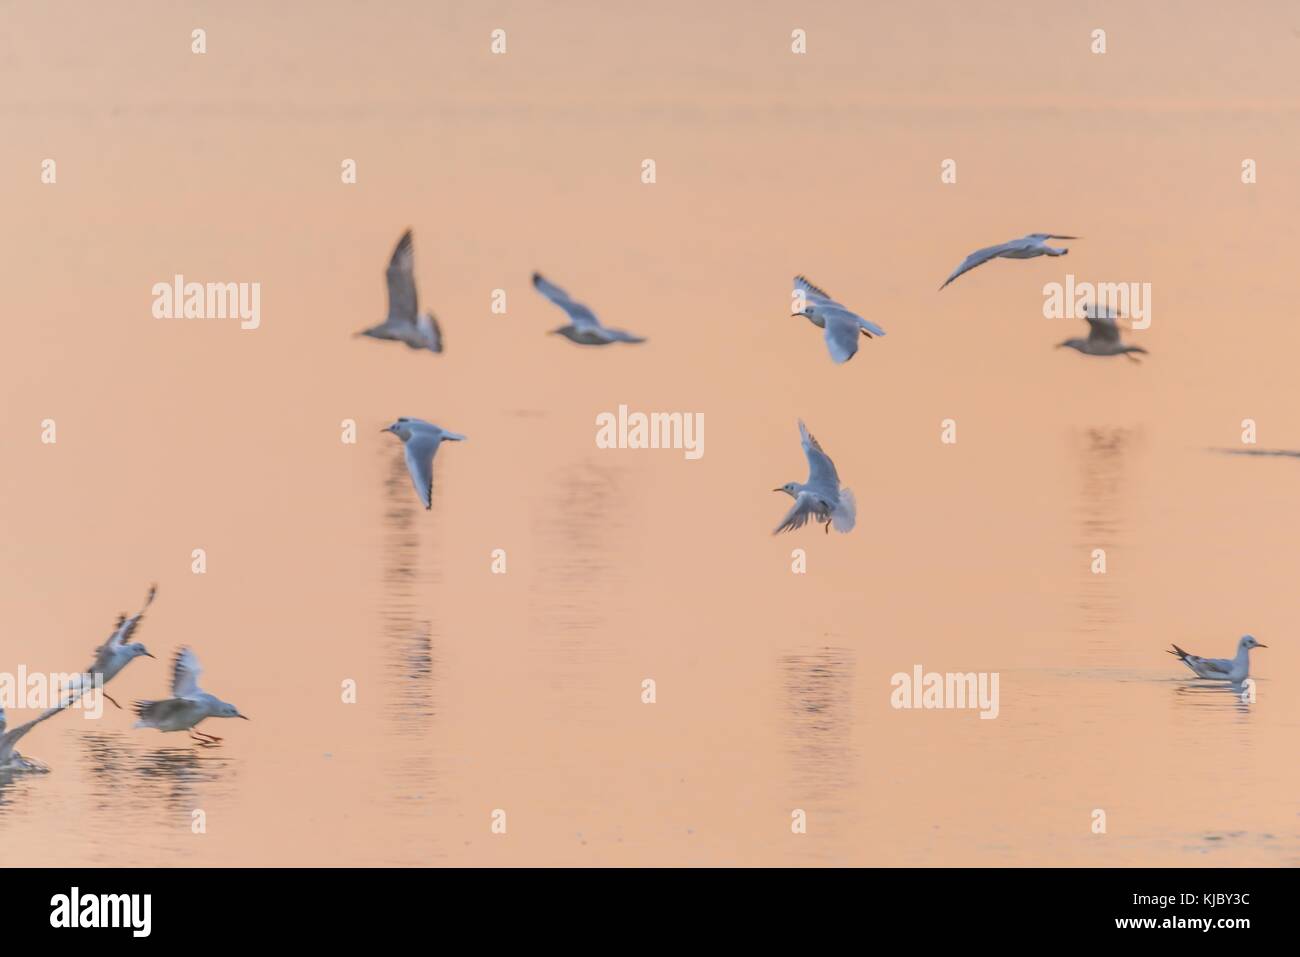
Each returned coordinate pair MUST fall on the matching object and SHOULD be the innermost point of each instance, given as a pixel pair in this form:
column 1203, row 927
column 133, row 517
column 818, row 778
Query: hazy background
column 522, row 691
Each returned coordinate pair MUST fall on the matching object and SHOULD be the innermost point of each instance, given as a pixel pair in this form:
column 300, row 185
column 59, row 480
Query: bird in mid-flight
column 405, row 322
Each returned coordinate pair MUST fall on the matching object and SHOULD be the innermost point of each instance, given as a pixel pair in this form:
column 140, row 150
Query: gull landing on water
column 421, row 440
column 1027, row 247
column 1235, row 669
column 405, row 322
column 1103, row 337
column 10, row 759
column 841, row 326
column 188, row 705
column 584, row 328
column 821, row 497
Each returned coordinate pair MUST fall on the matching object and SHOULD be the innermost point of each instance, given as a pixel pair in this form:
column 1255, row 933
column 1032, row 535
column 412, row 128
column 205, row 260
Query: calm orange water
column 522, row 692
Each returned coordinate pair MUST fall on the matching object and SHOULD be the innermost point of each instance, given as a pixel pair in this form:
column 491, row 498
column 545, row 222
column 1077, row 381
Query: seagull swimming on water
column 405, row 322
column 421, row 440
column 821, row 497
column 188, row 705
column 841, row 326
column 1027, row 247
column 584, row 328
column 10, row 759
column 1103, row 337
column 118, row 651
column 1235, row 669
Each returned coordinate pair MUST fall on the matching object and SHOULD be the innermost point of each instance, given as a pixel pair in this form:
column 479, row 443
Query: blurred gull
column 1235, row 669
column 421, row 440
column 1027, row 247
column 188, row 705
column 841, row 326
column 584, row 328
column 1103, row 336
column 405, row 322
column 820, row 497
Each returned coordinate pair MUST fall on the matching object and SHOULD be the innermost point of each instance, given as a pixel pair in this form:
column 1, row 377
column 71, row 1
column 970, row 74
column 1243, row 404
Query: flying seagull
column 1027, row 247
column 421, row 440
column 1103, row 337
column 10, row 759
column 405, row 322
column 1235, row 669
column 841, row 326
column 821, row 497
column 118, row 651
column 188, row 705
column 584, row 328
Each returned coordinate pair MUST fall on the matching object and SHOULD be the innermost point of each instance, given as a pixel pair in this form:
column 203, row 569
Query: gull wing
column 1103, row 329
column 10, row 738
column 803, row 509
column 980, row 256
column 821, row 470
column 810, row 291
column 403, row 304
column 185, row 674
column 579, row 314
column 419, row 450
column 840, row 330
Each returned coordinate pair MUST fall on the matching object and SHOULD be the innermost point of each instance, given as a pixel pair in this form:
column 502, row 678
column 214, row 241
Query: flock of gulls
column 182, row 711
column 821, row 499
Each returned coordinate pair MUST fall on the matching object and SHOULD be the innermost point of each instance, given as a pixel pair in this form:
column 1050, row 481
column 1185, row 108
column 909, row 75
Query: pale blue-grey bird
column 405, row 323
column 188, row 705
column 1026, row 247
column 1236, row 669
column 583, row 328
column 420, row 440
column 821, row 497
column 841, row 327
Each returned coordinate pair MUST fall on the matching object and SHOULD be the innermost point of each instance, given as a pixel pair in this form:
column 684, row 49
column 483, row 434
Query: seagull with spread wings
column 583, row 328
column 405, row 322
column 841, row 327
column 821, row 497
column 420, row 440
column 1026, row 247
column 1103, row 336
column 10, row 759
column 188, row 705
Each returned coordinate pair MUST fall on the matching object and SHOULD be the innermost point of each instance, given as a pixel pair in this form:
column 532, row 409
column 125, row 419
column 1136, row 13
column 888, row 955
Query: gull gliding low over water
column 1026, row 247
column 584, row 328
column 1103, row 337
column 405, row 322
column 1235, row 669
column 188, row 705
column 421, row 440
column 821, row 497
column 841, row 327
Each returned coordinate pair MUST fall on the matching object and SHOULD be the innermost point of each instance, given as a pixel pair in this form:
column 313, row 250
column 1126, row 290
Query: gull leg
column 110, row 698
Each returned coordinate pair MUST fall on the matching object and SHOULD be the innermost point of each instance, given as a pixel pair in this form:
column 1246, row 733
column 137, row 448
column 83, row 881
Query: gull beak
column 147, row 655
column 1258, row 645
column 244, row 716
column 778, row 490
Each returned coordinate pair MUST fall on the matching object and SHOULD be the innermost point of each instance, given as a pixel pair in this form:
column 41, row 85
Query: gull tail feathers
column 845, row 515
